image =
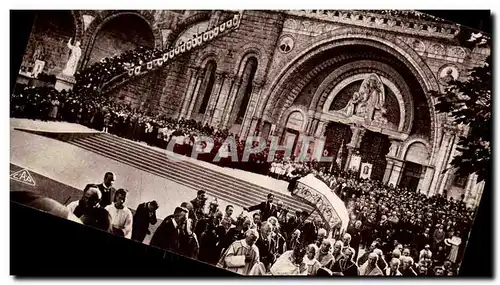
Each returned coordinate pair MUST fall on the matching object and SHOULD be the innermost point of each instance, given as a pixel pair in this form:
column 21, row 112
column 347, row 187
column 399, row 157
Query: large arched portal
column 368, row 87
column 118, row 34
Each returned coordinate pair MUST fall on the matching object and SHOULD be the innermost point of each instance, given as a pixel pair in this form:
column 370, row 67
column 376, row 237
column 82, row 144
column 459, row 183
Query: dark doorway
column 336, row 135
column 411, row 176
column 290, row 133
column 373, row 149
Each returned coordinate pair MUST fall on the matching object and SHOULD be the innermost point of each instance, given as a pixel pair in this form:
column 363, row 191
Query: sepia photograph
column 348, row 143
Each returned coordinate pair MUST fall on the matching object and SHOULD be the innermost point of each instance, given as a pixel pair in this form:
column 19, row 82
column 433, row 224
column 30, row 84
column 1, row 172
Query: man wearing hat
column 199, row 205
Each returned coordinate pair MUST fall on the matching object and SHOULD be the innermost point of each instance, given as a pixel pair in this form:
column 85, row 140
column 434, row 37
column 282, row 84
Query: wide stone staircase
column 193, row 175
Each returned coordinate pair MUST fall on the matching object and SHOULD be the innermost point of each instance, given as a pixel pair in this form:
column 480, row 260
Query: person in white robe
column 310, row 260
column 290, row 263
column 241, row 255
column 121, row 216
column 370, row 267
column 454, row 242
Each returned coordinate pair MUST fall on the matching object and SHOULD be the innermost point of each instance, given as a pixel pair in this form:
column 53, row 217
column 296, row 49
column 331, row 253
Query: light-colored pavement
column 77, row 167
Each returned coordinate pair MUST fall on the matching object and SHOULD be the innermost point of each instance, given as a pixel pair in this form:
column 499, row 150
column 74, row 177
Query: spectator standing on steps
column 267, row 209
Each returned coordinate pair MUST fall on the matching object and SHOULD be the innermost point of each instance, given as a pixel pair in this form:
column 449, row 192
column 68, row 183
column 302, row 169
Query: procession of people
column 391, row 231
column 422, row 233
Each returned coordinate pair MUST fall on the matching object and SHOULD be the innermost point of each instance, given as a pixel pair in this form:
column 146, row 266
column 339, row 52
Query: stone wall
column 49, row 36
column 140, row 92
column 256, row 35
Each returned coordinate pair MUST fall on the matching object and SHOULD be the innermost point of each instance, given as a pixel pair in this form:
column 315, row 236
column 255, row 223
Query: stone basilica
column 362, row 79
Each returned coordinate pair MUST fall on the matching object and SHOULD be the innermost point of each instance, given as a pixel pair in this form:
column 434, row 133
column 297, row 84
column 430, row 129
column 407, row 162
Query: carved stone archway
column 355, row 36
column 104, row 17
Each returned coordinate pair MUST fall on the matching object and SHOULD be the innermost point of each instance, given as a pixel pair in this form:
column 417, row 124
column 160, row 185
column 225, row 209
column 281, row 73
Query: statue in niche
column 369, row 101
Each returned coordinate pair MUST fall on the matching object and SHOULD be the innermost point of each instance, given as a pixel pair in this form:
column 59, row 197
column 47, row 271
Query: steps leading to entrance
column 193, row 175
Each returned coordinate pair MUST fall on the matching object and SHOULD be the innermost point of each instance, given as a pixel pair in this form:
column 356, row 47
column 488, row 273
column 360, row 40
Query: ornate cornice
column 381, row 21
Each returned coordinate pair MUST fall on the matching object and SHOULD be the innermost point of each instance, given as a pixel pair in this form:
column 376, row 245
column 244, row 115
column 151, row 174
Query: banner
column 198, row 40
column 355, row 163
column 366, row 170
column 328, row 205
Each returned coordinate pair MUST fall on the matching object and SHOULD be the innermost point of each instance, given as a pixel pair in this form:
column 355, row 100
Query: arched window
column 206, row 87
column 246, row 88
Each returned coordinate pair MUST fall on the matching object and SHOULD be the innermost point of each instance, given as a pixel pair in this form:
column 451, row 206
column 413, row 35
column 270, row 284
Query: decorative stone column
column 214, row 97
column 250, row 112
column 388, row 170
column 477, row 192
column 228, row 109
column 426, row 180
column 273, row 129
column 392, row 160
column 442, row 157
column 218, row 115
column 312, row 126
column 320, row 128
column 353, row 145
column 194, row 97
column 448, row 158
column 193, row 75
column 470, row 190
column 397, row 169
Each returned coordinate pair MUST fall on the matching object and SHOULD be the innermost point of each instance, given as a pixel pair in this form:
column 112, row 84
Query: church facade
column 360, row 80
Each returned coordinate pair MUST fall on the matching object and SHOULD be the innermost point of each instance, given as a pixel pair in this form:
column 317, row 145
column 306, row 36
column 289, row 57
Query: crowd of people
column 396, row 222
column 391, row 232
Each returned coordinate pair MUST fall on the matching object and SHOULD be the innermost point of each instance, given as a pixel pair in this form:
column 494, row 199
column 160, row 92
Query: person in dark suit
column 199, row 204
column 90, row 199
column 267, row 209
column 208, row 243
column 355, row 233
column 106, row 188
column 226, row 234
column 345, row 266
column 266, row 245
column 229, row 214
column 144, row 215
column 310, row 230
column 168, row 234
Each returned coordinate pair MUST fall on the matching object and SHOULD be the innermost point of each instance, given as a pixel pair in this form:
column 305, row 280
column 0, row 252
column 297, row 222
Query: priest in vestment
column 325, row 258
column 345, row 266
column 290, row 263
column 241, row 255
